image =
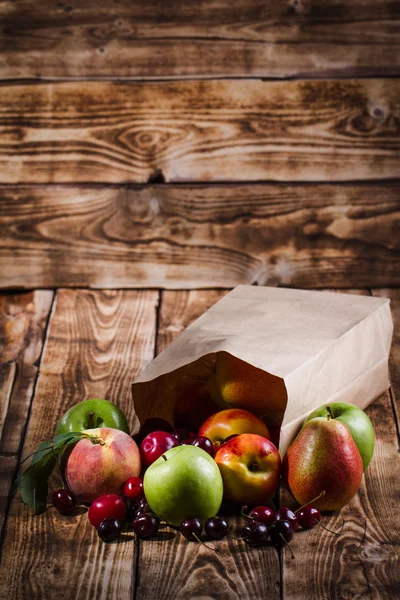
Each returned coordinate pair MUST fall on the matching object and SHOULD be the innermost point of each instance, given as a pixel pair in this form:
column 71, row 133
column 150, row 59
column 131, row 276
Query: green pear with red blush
column 357, row 422
column 323, row 459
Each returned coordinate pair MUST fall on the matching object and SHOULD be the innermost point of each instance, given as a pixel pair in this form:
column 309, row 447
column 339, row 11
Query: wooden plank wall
column 151, row 143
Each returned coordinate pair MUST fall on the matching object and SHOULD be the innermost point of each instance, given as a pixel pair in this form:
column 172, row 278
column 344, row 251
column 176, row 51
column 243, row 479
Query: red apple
column 155, row 444
column 232, row 421
column 102, row 464
column 250, row 466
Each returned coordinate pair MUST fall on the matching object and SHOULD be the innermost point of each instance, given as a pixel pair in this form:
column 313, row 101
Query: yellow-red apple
column 101, row 464
column 230, row 422
column 236, row 383
column 250, row 466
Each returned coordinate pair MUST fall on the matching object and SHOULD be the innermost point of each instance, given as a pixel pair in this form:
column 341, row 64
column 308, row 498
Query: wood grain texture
column 96, row 344
column 216, row 38
column 189, row 236
column 364, row 561
column 172, row 568
column 394, row 363
column 200, row 131
column 23, row 320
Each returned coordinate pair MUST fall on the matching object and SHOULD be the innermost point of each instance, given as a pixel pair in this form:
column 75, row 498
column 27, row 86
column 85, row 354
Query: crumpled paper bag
column 325, row 346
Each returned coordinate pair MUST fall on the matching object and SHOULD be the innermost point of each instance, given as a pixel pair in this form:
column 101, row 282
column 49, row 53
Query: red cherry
column 308, row 517
column 108, row 506
column 205, row 444
column 263, row 514
column 64, row 501
column 154, row 445
column 133, row 488
column 286, row 514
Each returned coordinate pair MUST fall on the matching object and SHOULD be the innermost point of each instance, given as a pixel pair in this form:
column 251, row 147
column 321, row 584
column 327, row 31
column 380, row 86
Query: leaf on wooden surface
column 32, row 483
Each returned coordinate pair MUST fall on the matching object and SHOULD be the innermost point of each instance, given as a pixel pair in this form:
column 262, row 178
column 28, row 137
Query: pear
column 323, row 458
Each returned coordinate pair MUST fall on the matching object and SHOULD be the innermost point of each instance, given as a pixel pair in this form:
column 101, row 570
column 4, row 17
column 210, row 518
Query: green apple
column 93, row 414
column 184, row 482
column 357, row 422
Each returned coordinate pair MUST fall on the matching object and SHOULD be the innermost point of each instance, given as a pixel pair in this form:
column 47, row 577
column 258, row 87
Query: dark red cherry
column 64, row 501
column 263, row 514
column 109, row 529
column 216, row 528
column 146, row 525
column 205, row 444
column 191, row 529
column 286, row 514
column 308, row 517
column 280, row 533
column 255, row 534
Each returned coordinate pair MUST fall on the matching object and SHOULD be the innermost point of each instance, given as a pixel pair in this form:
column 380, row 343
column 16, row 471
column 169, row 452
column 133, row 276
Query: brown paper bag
column 324, row 347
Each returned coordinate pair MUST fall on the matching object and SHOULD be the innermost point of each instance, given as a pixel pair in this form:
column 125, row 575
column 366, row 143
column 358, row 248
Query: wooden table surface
column 61, row 347
column 151, row 152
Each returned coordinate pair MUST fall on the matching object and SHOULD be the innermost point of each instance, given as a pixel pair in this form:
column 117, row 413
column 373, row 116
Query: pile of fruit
column 181, row 477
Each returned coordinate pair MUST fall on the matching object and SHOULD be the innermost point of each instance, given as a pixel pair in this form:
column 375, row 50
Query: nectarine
column 230, row 422
column 101, row 465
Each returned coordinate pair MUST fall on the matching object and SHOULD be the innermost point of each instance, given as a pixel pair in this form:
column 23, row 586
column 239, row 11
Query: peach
column 232, row 421
column 250, row 466
column 102, row 464
column 236, row 383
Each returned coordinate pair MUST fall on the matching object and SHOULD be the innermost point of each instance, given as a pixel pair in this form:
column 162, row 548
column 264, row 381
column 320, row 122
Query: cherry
column 262, row 514
column 216, row 528
column 108, row 506
column 142, row 508
column 155, row 444
column 191, row 529
column 109, row 530
column 205, row 444
column 64, row 501
column 146, row 525
column 133, row 488
column 255, row 534
column 286, row 514
column 308, row 517
column 180, row 434
column 281, row 533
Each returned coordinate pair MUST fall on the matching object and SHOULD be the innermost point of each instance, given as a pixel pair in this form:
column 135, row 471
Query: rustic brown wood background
column 148, row 150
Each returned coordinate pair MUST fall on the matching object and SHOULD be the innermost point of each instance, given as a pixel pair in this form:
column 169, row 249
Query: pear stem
column 164, row 457
column 203, row 544
column 330, row 413
column 311, row 501
column 288, row 545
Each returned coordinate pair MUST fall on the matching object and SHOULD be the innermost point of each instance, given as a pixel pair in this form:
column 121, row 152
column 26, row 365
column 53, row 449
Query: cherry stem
column 244, row 514
column 203, row 544
column 330, row 413
column 237, row 538
column 330, row 530
column 164, row 457
column 288, row 545
column 311, row 501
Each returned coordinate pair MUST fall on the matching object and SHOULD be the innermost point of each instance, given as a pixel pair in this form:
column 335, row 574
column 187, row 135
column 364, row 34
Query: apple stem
column 330, row 530
column 164, row 457
column 91, row 415
column 330, row 413
column 311, row 501
column 203, row 544
column 288, row 545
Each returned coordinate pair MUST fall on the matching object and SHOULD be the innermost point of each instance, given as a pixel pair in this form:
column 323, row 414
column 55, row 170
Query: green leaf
column 32, row 483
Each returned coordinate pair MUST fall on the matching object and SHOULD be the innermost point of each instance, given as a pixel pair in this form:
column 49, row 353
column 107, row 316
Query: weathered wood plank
column 97, row 343
column 23, row 320
column 363, row 562
column 198, row 236
column 236, row 571
column 394, row 363
column 218, row 38
column 200, row 131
